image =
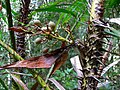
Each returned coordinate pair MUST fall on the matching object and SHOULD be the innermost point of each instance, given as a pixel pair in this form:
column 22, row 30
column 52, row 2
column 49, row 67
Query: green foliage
column 54, row 9
column 113, row 3
column 66, row 78
column 3, row 84
column 3, row 17
column 114, row 33
column 62, row 13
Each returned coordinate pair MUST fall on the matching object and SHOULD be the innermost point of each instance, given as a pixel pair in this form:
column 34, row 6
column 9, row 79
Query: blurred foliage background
column 66, row 76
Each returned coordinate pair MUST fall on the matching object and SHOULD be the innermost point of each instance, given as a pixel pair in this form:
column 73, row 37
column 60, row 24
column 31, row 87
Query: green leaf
column 76, row 7
column 113, row 3
column 3, row 84
column 73, row 8
column 113, row 32
column 3, row 17
column 54, row 9
column 56, row 3
column 0, row 34
column 14, row 0
column 14, row 13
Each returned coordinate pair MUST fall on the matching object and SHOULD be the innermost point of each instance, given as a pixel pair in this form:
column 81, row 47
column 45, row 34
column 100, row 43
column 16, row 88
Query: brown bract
column 59, row 56
column 18, row 29
column 44, row 61
column 61, row 60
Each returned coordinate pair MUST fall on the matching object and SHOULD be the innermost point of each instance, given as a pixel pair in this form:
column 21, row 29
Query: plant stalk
column 18, row 57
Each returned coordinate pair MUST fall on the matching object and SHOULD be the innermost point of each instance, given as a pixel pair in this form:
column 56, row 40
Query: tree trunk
column 24, row 11
column 92, row 54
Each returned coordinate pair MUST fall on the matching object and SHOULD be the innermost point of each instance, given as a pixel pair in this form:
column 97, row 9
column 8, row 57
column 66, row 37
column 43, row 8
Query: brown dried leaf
column 44, row 61
column 57, row 84
column 63, row 44
column 36, row 62
column 60, row 61
column 20, row 29
column 17, row 29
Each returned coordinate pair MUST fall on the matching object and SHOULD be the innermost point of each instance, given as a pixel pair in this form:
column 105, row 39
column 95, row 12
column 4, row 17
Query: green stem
column 39, row 79
column 60, row 38
column 48, row 75
column 11, row 51
column 10, row 23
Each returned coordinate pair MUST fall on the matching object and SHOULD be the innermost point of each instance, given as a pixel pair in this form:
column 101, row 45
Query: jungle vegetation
column 59, row 44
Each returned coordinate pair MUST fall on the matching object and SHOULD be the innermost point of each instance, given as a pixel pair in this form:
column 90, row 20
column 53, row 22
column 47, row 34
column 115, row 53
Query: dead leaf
column 60, row 61
column 115, row 20
column 20, row 29
column 36, row 62
column 63, row 44
column 109, row 66
column 17, row 29
column 75, row 61
column 58, row 57
column 57, row 84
